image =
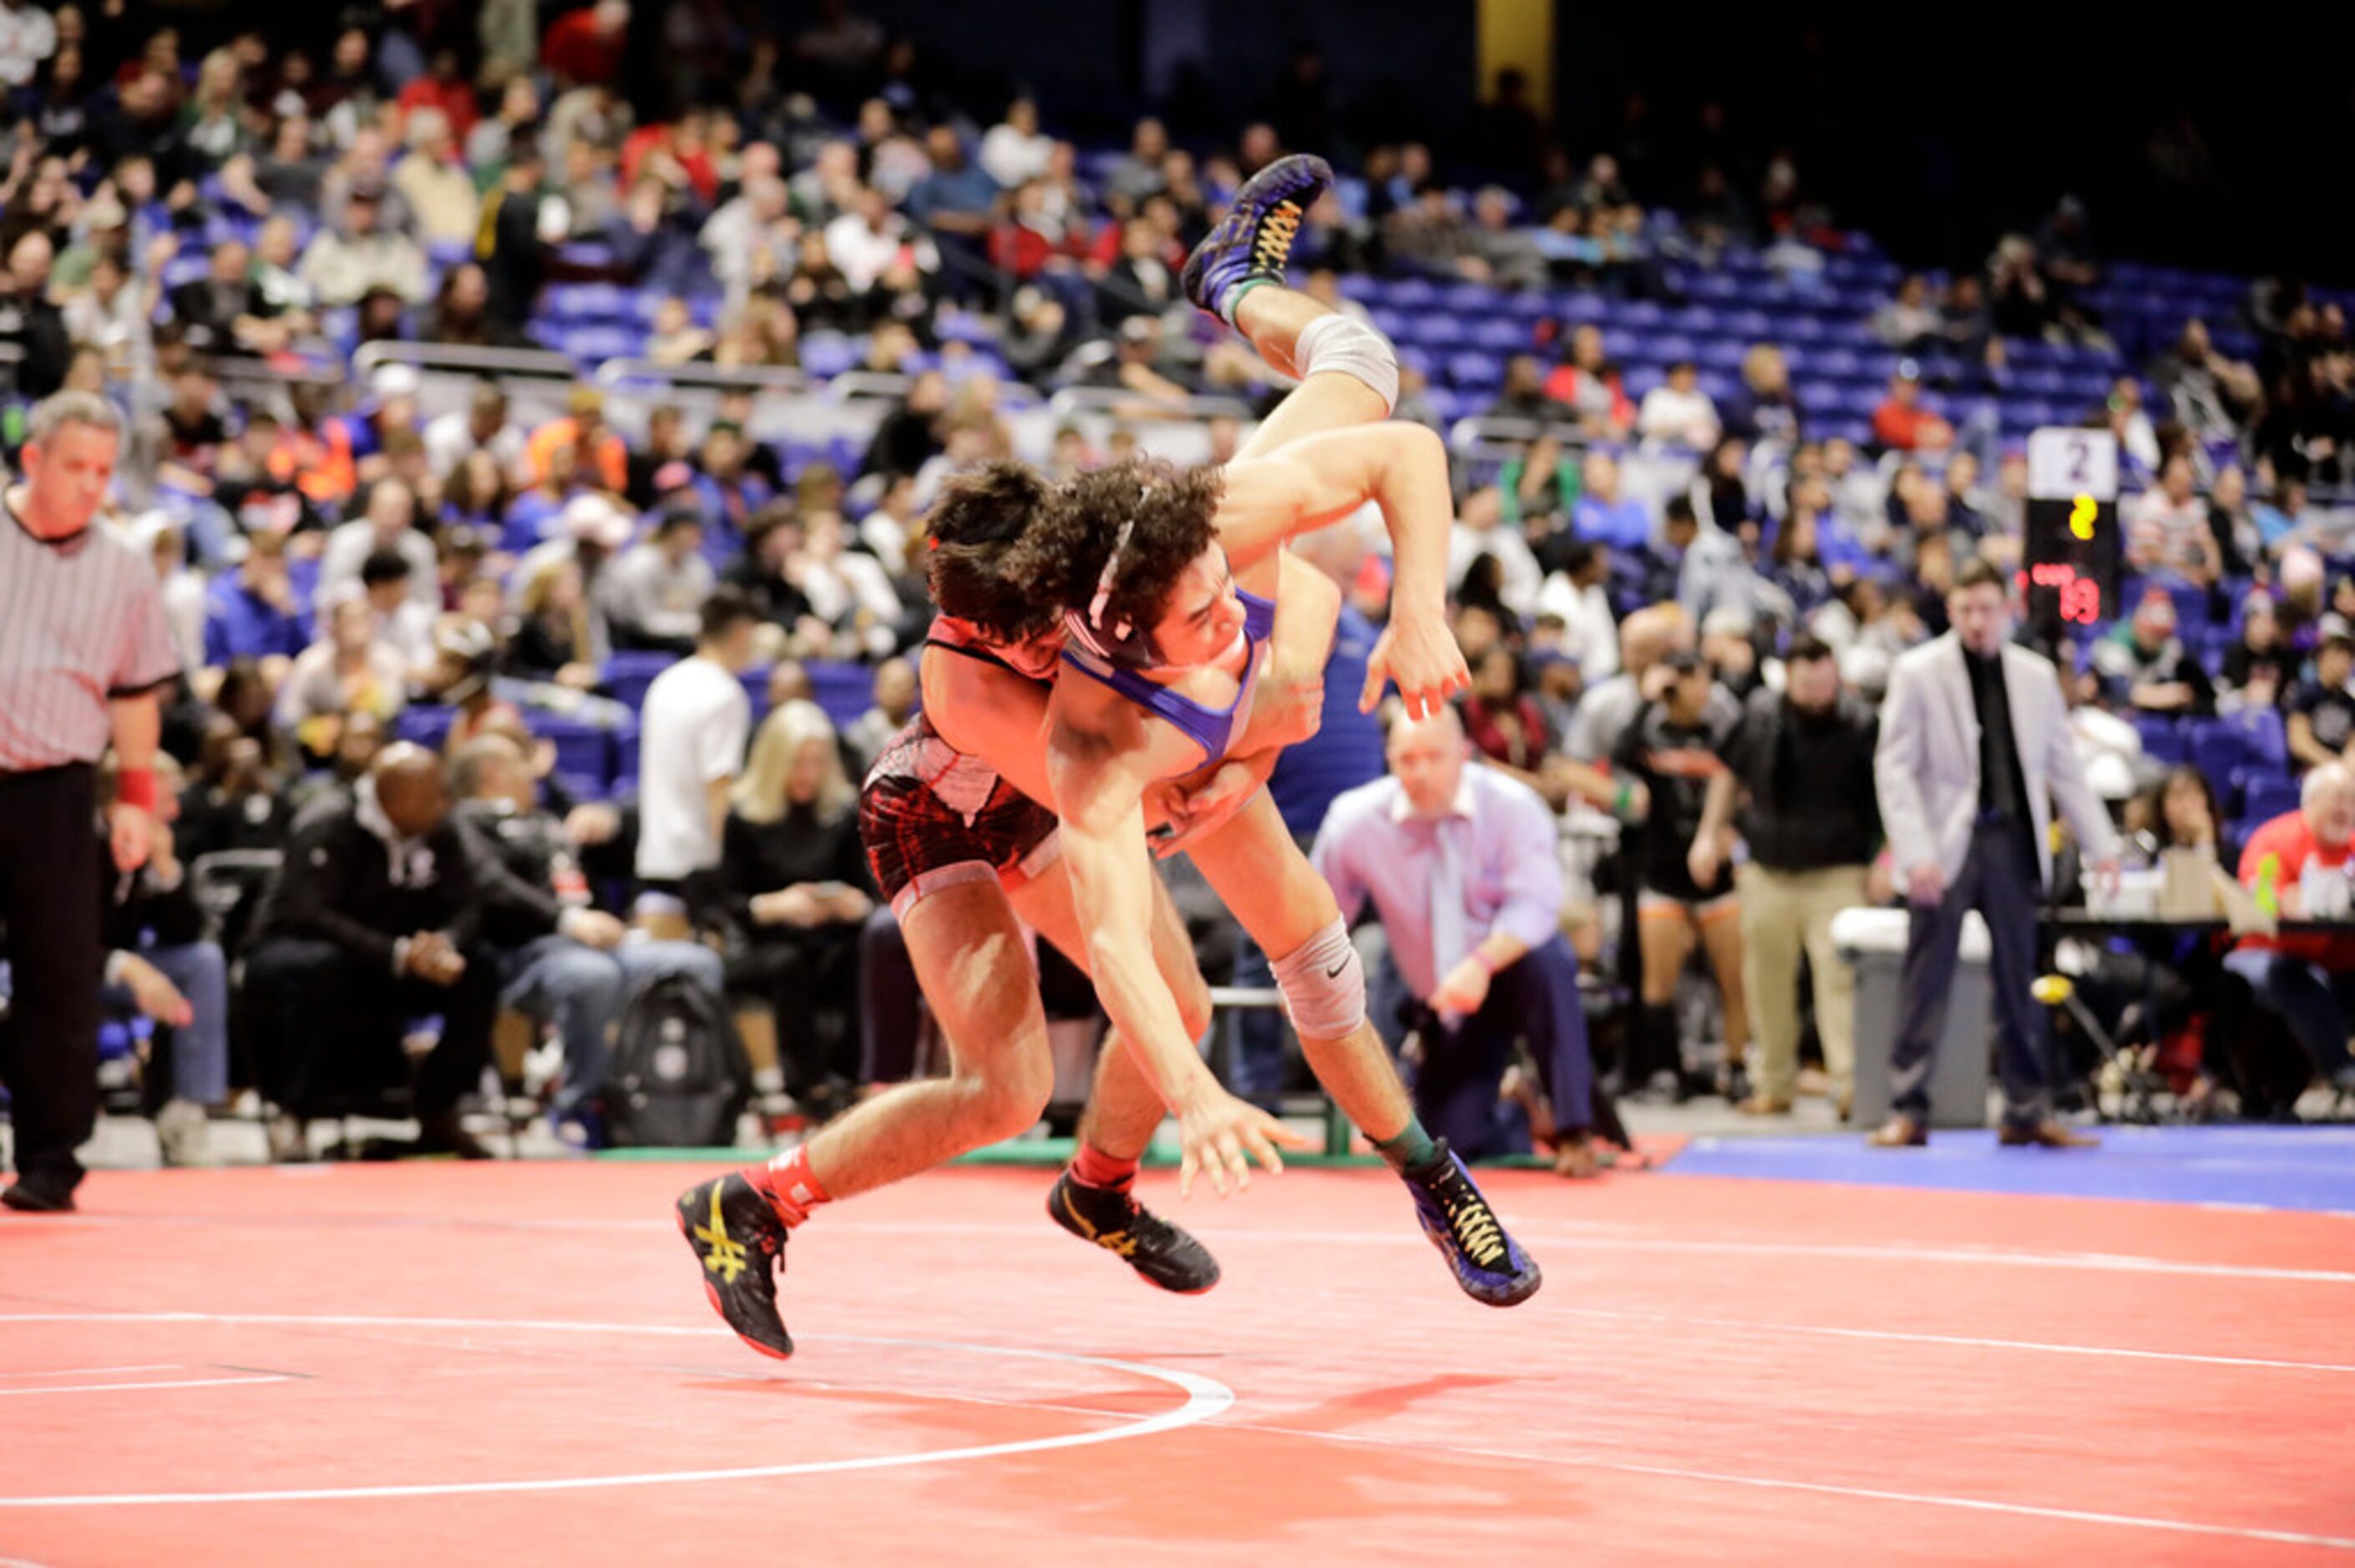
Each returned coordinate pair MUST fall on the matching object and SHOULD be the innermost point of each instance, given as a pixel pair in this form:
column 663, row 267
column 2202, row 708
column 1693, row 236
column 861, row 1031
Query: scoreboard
column 2071, row 561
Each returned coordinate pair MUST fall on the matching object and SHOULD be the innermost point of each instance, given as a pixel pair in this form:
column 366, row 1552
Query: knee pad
column 1348, row 345
column 1323, row 984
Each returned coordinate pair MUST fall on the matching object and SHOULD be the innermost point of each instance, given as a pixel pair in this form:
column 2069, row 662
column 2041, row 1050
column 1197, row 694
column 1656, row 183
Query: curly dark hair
column 1168, row 512
column 975, row 526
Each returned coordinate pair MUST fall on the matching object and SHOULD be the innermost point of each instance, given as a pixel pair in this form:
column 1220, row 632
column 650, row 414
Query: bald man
column 371, row 922
column 1464, row 867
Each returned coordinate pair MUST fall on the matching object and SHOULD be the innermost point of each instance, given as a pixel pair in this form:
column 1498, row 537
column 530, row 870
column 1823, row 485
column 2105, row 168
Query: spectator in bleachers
column 1578, row 596
column 585, row 47
column 847, row 589
column 797, row 893
column 753, row 239
column 223, row 303
column 373, row 921
column 895, row 698
column 602, row 456
column 1015, row 151
column 1721, row 491
column 2210, row 395
column 347, row 670
column 432, row 180
column 1587, row 383
column 1679, row 413
column 250, row 612
column 483, row 426
column 768, row 571
column 1427, row 235
column 460, row 313
column 1797, row 564
column 2306, row 981
column 389, row 524
column 2258, row 669
column 515, row 225
column 560, row 961
column 2129, row 421
column 1603, row 516
column 404, row 622
column 1908, row 322
column 2144, row 666
column 558, row 635
column 290, row 175
column 1902, row 424
column 1498, row 250
column 653, row 596
column 1481, row 530
column 357, row 252
column 1524, row 394
column 1763, row 407
column 29, row 320
column 693, row 729
column 1137, row 173
column 2168, row 533
column 2321, row 711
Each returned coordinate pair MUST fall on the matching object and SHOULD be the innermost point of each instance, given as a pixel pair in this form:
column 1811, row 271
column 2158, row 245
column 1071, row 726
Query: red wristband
column 136, row 787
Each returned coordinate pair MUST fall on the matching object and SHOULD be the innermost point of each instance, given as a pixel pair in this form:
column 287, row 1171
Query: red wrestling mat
column 513, row 1364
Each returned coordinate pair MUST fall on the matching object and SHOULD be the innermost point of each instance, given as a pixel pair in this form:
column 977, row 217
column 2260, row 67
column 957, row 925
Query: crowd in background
column 208, row 236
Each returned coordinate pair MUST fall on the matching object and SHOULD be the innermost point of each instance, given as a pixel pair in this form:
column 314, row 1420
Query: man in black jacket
column 560, row 960
column 1802, row 764
column 374, row 921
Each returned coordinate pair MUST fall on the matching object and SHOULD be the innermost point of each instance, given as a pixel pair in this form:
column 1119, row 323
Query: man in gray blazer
column 1975, row 753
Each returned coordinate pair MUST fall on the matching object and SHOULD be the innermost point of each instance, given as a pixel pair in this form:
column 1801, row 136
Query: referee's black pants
column 49, row 893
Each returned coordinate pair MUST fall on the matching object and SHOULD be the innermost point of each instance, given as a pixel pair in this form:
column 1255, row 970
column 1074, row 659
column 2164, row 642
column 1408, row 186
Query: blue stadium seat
column 2268, row 795
column 582, row 748
column 2219, row 750
column 628, row 675
column 425, row 722
column 2162, row 740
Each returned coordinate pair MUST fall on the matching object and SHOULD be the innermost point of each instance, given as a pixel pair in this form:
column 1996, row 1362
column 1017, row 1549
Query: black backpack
column 680, row 1077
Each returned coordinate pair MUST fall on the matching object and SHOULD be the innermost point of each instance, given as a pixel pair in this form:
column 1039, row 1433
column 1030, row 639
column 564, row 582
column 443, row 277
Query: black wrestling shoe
column 36, row 1197
column 1108, row 1216
column 741, row 1244
column 1254, row 241
column 1487, row 1263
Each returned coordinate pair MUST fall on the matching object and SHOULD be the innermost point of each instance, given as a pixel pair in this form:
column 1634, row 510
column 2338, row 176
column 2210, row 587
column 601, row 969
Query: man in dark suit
column 373, row 922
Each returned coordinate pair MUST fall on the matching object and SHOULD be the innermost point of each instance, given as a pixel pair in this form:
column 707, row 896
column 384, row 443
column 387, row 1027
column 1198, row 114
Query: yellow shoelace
column 1274, row 241
column 1476, row 1227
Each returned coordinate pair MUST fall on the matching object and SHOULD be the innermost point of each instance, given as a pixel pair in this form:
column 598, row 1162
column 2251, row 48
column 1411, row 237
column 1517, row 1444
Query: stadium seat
column 2268, row 795
column 2162, row 739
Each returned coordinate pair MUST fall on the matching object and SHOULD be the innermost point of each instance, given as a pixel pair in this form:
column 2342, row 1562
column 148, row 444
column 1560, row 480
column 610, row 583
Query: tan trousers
column 1783, row 913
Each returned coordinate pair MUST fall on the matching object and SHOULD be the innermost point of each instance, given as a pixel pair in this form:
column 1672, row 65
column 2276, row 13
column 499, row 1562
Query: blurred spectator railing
column 1074, row 400
column 753, row 379
column 539, row 364
column 535, row 380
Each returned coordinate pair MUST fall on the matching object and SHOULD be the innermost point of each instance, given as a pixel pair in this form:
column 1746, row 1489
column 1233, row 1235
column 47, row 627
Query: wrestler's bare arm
column 1320, row 479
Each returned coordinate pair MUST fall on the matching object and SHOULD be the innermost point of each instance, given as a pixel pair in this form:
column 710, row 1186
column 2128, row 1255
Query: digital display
column 2071, row 564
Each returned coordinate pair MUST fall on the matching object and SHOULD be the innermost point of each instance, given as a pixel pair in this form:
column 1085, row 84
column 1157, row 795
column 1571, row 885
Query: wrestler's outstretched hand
column 1419, row 653
column 1218, row 1135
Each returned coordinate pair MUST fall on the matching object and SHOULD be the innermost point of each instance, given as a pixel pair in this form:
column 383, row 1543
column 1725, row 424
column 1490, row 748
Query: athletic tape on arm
column 1348, row 345
column 1323, row 984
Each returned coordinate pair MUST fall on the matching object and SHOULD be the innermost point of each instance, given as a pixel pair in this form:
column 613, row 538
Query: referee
column 84, row 647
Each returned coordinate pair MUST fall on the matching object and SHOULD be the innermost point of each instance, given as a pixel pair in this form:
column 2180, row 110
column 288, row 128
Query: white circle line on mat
column 1205, row 1398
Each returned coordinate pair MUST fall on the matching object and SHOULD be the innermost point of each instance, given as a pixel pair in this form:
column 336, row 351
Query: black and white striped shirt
column 81, row 621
